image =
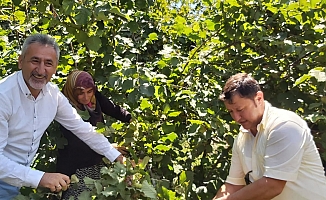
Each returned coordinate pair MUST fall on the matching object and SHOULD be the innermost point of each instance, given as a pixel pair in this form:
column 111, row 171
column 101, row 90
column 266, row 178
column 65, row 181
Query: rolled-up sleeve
column 236, row 174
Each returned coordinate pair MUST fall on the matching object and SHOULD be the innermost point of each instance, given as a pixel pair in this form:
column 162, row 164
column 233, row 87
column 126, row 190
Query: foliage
column 166, row 61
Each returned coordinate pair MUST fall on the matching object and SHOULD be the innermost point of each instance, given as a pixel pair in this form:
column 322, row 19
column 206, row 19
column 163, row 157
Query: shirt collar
column 24, row 88
column 262, row 125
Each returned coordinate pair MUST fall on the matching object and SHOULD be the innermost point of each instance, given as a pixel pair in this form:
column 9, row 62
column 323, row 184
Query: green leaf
column 179, row 25
column 193, row 129
column 101, row 16
column 16, row 2
column 147, row 90
column 85, row 195
column 98, row 187
column 41, row 7
column 144, row 162
column 116, row 10
column 74, row 179
column 196, row 121
column 81, row 36
column 166, row 108
column 110, row 191
column 210, row 25
column 161, row 64
column 174, row 113
column 20, row 16
column 196, row 27
column 316, row 105
column 94, row 43
column 133, row 26
column 152, row 36
column 119, row 168
column 114, row 80
column 313, row 3
column 145, row 104
column 171, row 136
column 180, row 20
column 67, row 6
column 168, row 128
column 207, row 3
column 162, row 147
column 149, row 190
column 157, row 158
column 182, row 177
column 82, row 16
column 168, row 194
column 187, row 30
column 302, row 79
column 174, row 61
column 323, row 99
column 127, row 85
column 141, row 4
column 89, row 181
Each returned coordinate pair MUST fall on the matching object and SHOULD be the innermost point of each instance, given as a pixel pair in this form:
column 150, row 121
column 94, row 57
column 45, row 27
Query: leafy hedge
column 166, row 62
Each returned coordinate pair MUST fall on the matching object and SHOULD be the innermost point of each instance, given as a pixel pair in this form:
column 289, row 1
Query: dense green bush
column 166, row 62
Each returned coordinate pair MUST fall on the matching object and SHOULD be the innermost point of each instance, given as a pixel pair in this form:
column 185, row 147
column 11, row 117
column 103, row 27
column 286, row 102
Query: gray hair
column 42, row 39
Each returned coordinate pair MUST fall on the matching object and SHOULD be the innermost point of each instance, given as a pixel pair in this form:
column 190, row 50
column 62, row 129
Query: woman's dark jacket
column 76, row 154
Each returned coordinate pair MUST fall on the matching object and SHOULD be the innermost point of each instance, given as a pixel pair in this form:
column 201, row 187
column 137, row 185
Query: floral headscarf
column 79, row 80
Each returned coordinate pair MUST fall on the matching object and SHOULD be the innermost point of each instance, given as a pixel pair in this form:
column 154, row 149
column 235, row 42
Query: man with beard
column 29, row 103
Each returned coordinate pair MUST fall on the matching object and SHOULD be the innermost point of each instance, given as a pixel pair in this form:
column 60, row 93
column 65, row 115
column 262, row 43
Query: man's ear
column 260, row 96
column 20, row 60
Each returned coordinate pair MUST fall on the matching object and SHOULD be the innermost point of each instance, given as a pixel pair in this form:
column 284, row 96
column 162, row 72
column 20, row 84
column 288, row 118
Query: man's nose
column 41, row 68
column 236, row 116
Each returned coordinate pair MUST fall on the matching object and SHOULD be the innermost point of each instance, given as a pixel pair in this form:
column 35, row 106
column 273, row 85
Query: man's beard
column 36, row 83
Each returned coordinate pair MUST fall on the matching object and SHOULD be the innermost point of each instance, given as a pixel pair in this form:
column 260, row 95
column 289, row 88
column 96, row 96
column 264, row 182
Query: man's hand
column 120, row 159
column 123, row 150
column 226, row 190
column 221, row 198
column 55, row 182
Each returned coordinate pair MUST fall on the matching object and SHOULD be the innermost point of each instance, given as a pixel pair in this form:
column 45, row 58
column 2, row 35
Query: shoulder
column 99, row 94
column 9, row 86
column 9, row 91
column 52, row 86
column 281, row 117
column 52, row 89
column 53, row 93
column 9, row 82
column 287, row 124
column 101, row 97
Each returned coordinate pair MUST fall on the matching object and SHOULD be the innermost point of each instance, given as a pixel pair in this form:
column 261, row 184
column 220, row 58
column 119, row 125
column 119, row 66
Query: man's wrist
column 119, row 159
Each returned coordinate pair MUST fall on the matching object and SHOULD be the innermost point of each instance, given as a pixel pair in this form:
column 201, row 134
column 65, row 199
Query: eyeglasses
column 247, row 180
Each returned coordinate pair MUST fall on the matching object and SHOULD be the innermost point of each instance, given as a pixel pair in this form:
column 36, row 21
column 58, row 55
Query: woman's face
column 85, row 95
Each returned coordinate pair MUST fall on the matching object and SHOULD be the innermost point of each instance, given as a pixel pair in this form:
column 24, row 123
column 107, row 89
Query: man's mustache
column 37, row 75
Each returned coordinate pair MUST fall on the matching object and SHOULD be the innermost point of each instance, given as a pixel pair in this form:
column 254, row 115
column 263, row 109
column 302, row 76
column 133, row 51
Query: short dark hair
column 242, row 84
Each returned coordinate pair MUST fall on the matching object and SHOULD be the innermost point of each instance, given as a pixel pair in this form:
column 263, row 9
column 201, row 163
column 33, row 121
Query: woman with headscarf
column 76, row 157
